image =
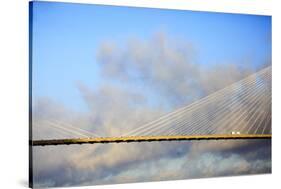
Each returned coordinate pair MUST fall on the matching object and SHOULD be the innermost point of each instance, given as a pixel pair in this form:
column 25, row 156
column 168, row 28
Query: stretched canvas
column 127, row 94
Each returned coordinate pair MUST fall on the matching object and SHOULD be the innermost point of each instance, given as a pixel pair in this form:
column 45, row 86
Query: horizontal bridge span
column 147, row 139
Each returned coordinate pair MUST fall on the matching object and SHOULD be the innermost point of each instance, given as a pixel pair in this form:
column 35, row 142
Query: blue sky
column 66, row 38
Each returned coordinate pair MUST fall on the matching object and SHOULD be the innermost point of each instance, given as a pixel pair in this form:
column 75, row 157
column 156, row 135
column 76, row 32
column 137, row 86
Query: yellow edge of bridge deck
column 146, row 139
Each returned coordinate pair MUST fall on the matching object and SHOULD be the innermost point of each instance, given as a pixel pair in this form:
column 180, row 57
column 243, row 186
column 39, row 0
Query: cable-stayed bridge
column 241, row 110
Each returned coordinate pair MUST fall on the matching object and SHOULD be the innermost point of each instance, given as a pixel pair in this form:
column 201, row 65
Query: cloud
column 119, row 163
column 166, row 67
column 143, row 79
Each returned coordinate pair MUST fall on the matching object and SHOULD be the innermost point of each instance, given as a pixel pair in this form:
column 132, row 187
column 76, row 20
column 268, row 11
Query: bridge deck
column 147, row 139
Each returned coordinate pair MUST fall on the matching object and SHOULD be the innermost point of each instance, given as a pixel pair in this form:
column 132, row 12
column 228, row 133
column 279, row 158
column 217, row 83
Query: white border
column 262, row 7
column 14, row 90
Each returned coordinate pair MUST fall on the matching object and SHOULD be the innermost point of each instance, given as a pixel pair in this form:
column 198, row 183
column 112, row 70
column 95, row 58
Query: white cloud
column 168, row 71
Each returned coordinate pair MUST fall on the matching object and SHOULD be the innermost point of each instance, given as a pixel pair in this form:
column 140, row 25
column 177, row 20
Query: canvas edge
column 30, row 20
